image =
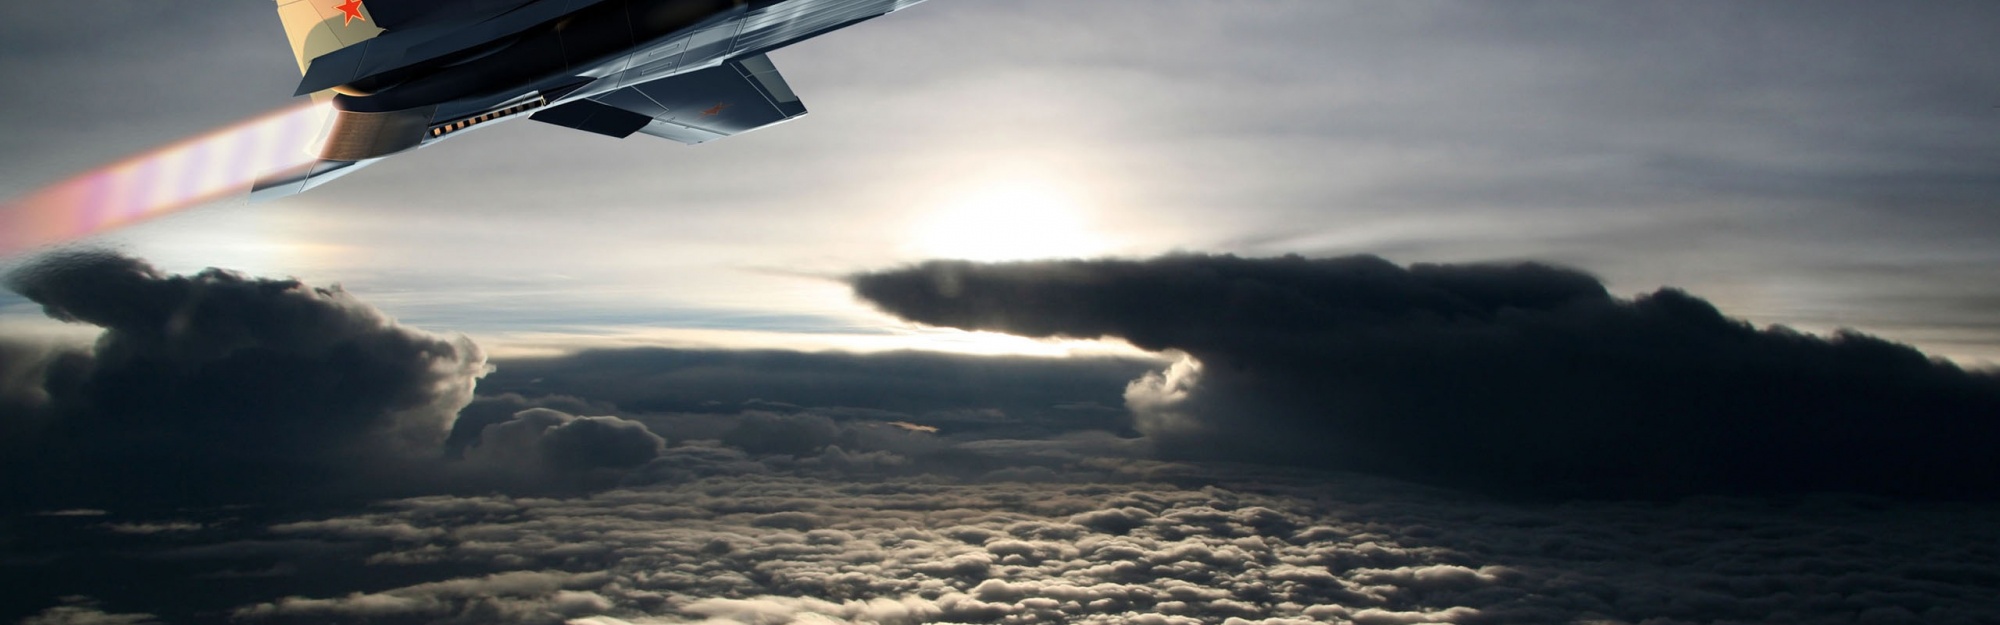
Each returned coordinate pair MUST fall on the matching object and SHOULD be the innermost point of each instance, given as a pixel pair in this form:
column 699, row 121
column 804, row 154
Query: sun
column 1015, row 219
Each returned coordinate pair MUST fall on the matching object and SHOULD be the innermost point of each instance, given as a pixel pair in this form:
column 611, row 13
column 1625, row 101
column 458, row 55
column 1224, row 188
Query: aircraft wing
column 696, row 107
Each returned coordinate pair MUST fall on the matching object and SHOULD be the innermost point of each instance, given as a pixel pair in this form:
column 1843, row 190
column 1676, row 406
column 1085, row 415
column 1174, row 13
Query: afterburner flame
column 187, row 174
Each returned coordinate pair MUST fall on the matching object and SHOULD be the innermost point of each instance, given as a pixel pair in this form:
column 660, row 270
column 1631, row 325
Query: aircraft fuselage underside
column 687, row 70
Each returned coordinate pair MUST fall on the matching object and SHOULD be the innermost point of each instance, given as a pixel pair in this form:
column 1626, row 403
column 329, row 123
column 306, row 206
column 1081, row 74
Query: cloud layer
column 770, row 487
column 751, row 539
column 1239, row 548
column 1520, row 378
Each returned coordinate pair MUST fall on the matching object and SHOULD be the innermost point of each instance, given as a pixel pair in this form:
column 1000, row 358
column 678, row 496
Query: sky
column 1816, row 167
column 1127, row 311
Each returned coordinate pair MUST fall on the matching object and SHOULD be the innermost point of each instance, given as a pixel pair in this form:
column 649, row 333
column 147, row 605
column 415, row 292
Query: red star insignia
column 352, row 11
column 711, row 112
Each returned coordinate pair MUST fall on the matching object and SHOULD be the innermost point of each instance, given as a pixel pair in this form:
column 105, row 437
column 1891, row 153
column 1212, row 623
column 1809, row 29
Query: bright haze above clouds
column 1812, row 164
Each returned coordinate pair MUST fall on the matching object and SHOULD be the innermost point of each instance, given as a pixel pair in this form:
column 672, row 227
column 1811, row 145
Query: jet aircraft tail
column 316, row 27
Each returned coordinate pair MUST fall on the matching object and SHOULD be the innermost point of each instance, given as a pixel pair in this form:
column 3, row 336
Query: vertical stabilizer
column 316, row 27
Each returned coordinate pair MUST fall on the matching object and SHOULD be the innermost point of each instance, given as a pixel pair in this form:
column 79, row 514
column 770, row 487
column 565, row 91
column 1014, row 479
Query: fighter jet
column 405, row 74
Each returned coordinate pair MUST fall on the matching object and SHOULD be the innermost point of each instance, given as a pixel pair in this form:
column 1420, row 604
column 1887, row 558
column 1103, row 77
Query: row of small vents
column 469, row 122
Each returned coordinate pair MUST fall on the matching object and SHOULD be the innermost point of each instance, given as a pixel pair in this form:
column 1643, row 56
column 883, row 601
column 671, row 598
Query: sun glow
column 1013, row 219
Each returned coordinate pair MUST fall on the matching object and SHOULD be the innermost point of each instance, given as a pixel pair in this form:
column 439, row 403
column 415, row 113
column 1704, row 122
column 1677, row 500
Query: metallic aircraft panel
column 635, row 101
column 684, row 134
column 361, row 136
column 593, row 117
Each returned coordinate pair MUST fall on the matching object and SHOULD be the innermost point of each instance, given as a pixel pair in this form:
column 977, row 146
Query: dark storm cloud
column 24, row 398
column 217, row 386
column 1523, row 378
